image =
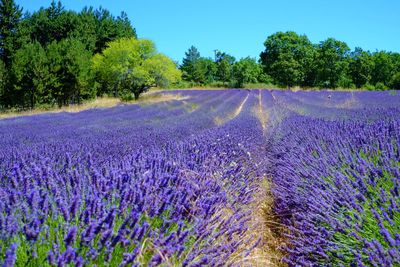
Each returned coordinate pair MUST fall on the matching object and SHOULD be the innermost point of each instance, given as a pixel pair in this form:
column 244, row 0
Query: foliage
column 189, row 62
column 383, row 68
column 291, row 60
column 286, row 56
column 70, row 65
column 332, row 63
column 3, row 79
column 30, row 71
column 47, row 53
column 93, row 27
column 360, row 67
column 224, row 66
column 395, row 81
column 133, row 65
column 246, row 70
column 10, row 16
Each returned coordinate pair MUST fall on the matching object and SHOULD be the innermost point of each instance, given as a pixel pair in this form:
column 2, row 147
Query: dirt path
column 264, row 225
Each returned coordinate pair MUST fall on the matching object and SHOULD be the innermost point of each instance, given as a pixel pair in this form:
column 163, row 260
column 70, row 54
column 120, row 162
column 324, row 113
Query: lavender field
column 182, row 182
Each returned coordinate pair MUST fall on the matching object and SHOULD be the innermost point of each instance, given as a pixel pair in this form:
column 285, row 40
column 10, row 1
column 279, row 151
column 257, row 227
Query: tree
column 246, row 70
column 133, row 65
column 10, row 17
column 332, row 63
column 383, row 69
column 109, row 28
column 395, row 81
column 31, row 75
column 224, row 63
column 94, row 28
column 286, row 56
column 360, row 67
column 188, row 63
column 70, row 67
column 52, row 24
column 3, row 79
column 204, row 71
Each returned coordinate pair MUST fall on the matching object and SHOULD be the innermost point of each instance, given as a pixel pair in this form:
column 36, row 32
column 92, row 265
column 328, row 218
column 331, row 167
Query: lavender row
column 336, row 181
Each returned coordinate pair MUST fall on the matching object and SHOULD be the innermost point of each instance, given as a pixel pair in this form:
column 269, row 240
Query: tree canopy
column 45, row 56
column 292, row 60
column 133, row 66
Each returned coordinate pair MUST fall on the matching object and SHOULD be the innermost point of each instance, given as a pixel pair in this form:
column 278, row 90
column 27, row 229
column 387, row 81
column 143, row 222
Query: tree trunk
column 136, row 94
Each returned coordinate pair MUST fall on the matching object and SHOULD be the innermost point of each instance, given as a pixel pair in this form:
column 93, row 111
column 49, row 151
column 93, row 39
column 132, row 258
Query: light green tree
column 133, row 65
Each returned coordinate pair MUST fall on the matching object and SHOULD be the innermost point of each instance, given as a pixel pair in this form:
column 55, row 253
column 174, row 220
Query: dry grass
column 100, row 103
column 260, row 113
column 103, row 102
column 265, row 226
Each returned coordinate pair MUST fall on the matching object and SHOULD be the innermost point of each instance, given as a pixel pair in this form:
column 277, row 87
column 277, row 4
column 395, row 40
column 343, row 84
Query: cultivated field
column 206, row 178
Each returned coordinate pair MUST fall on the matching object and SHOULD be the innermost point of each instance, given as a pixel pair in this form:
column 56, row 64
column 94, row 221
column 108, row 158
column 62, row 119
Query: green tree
column 31, row 75
column 70, row 67
column 10, row 17
column 246, row 70
column 224, row 66
column 360, row 67
column 395, row 81
column 94, row 28
column 109, row 28
column 205, row 70
column 383, row 69
column 52, row 24
column 3, row 79
column 85, row 30
column 133, row 65
column 332, row 63
column 189, row 62
column 286, row 57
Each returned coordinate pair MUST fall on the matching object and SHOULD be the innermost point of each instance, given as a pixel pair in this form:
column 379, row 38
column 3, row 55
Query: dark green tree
column 85, row 30
column 246, row 70
column 70, row 67
column 395, row 81
column 31, row 76
column 360, row 67
column 189, row 62
column 10, row 17
column 224, row 64
column 3, row 79
column 332, row 62
column 205, row 70
column 383, row 69
column 109, row 28
column 286, row 57
column 52, row 24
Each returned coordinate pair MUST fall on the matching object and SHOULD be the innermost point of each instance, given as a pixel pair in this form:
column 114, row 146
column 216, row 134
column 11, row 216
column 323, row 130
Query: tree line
column 55, row 56
column 290, row 59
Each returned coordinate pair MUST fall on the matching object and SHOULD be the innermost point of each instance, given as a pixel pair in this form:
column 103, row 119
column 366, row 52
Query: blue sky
column 240, row 27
